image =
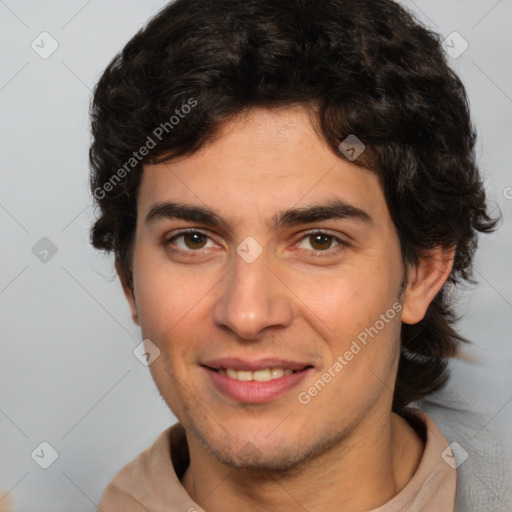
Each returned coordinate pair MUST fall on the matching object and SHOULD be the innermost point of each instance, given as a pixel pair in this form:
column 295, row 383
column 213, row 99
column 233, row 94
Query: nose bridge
column 252, row 298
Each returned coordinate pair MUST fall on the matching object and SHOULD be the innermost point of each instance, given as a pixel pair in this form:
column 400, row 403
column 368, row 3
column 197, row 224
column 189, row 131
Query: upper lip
column 253, row 366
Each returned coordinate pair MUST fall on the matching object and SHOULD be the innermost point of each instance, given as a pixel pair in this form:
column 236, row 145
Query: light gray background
column 67, row 372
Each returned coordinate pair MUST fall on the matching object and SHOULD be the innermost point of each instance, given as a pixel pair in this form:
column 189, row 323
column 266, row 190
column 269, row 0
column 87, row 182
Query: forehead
column 259, row 163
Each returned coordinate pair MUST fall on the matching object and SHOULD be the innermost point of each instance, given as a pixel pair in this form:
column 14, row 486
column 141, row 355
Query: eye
column 320, row 241
column 191, row 241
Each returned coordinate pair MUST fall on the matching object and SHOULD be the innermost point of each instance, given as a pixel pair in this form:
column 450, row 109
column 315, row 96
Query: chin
column 267, row 460
column 283, row 455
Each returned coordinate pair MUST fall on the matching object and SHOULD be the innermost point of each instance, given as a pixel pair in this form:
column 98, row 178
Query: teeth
column 233, row 374
column 259, row 376
column 243, row 375
column 265, row 375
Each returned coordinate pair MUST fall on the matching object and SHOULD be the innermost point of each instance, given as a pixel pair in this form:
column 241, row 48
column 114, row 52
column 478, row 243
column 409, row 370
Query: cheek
column 175, row 320
column 350, row 304
column 166, row 294
column 349, row 301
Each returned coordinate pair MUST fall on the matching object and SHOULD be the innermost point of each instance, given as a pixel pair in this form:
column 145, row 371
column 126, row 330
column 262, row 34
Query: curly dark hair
column 367, row 66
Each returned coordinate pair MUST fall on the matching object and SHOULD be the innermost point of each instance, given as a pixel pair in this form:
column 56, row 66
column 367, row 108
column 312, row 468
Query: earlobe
column 128, row 292
column 424, row 282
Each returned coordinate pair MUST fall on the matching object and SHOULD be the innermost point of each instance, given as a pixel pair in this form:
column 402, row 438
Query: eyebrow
column 334, row 209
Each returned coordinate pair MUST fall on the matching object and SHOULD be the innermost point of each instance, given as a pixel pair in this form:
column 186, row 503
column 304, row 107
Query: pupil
column 324, row 241
column 194, row 240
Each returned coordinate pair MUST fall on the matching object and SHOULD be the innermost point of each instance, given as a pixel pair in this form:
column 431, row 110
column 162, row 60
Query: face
column 267, row 256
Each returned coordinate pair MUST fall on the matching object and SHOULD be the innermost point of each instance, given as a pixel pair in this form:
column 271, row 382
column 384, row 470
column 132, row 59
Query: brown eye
column 194, row 240
column 190, row 241
column 321, row 242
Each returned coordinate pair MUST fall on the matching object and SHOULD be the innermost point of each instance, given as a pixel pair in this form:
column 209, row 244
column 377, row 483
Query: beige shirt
column 150, row 482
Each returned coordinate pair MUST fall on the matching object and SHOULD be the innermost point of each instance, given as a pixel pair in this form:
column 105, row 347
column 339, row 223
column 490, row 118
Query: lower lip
column 252, row 391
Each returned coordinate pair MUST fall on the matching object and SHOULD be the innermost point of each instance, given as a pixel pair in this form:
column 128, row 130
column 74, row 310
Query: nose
column 252, row 299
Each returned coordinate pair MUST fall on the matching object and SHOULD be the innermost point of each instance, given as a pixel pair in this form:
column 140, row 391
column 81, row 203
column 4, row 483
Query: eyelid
column 184, row 231
column 168, row 238
column 318, row 254
column 341, row 242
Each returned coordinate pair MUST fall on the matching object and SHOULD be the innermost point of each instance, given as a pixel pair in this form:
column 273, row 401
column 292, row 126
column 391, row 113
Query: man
column 290, row 191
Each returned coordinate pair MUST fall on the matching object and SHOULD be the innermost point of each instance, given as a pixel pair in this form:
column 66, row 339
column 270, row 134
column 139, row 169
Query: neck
column 364, row 471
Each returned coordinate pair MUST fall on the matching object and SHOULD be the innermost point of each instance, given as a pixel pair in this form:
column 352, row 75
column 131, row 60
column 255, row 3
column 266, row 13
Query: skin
column 298, row 300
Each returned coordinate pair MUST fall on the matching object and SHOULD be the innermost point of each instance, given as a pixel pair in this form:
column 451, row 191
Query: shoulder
column 433, row 486
column 6, row 501
column 134, row 486
column 116, row 498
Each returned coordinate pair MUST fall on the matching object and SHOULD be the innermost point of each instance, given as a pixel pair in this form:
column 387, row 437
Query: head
column 236, row 119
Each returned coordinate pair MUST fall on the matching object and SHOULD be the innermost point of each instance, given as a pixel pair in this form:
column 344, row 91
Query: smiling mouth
column 263, row 375
column 255, row 382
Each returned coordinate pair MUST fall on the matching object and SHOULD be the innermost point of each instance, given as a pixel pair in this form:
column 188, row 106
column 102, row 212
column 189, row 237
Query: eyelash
column 342, row 244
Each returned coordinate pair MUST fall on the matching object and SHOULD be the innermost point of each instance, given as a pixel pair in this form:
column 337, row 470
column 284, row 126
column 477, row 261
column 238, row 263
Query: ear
column 128, row 292
column 424, row 281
